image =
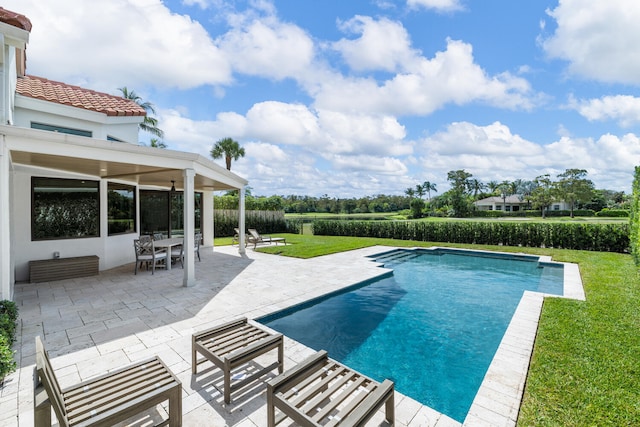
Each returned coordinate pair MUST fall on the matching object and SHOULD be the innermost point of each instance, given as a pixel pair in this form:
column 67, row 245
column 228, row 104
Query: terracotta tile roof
column 15, row 19
column 75, row 96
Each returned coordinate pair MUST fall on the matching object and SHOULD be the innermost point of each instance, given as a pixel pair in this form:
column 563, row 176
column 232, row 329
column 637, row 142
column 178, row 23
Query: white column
column 5, row 223
column 206, row 218
column 189, row 278
column 241, row 224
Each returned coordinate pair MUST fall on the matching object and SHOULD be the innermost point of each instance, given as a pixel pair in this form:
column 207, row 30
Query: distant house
column 75, row 182
column 513, row 203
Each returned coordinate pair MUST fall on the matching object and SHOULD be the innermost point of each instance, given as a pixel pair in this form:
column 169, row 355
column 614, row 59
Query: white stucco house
column 513, row 203
column 74, row 181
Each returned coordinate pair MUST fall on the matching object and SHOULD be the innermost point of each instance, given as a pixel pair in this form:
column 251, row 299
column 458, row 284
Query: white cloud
column 383, row 44
column 105, row 44
column 437, row 5
column 598, row 38
column 267, row 47
column 451, row 76
column 624, row 109
column 382, row 165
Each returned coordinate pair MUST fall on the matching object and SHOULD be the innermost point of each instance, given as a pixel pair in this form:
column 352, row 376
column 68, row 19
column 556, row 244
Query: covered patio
column 95, row 324
column 27, row 153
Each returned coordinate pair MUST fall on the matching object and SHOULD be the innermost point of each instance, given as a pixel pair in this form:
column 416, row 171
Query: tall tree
column 149, row 124
column 420, row 191
column 493, row 186
column 542, row 195
column 410, row 192
column 429, row 187
column 459, row 180
column 156, row 143
column 574, row 187
column 506, row 189
column 229, row 149
column 476, row 186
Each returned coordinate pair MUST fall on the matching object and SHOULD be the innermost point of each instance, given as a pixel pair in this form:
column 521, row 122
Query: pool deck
column 96, row 324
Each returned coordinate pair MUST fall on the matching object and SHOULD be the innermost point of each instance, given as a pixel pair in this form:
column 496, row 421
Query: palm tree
column 229, row 149
column 429, row 187
column 410, row 192
column 156, row 143
column 420, row 191
column 149, row 124
column 505, row 189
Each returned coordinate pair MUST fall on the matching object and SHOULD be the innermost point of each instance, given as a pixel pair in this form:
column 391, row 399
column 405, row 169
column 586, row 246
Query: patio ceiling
column 146, row 166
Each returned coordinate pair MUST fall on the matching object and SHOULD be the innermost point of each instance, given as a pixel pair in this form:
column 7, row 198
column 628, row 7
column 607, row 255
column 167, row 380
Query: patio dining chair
column 177, row 252
column 146, row 253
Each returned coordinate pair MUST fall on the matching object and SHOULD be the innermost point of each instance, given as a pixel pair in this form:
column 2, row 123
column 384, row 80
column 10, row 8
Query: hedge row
column 533, row 213
column 592, row 237
column 224, row 223
column 8, row 317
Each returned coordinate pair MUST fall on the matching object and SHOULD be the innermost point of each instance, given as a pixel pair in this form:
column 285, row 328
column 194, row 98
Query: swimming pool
column 432, row 326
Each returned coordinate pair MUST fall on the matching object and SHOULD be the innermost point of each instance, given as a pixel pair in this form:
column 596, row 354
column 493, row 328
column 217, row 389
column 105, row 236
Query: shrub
column 606, row 212
column 8, row 317
column 593, row 237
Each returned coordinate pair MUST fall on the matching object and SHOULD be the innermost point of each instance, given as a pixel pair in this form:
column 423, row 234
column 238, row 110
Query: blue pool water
column 432, row 326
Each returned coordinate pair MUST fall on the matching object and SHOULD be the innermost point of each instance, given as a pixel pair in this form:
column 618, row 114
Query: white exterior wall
column 112, row 250
column 29, row 110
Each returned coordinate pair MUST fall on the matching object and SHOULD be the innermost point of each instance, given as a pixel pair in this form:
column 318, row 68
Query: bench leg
column 42, row 407
column 390, row 410
column 281, row 356
column 227, row 382
column 271, row 410
column 175, row 407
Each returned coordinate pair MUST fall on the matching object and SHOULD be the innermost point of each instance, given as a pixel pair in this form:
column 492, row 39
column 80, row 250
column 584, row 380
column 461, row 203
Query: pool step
column 396, row 257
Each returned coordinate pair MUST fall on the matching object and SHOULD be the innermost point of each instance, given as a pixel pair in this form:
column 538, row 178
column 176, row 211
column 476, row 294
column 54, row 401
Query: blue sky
column 354, row 98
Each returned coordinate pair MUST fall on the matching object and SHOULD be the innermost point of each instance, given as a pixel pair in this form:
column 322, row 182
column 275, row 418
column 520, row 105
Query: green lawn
column 585, row 370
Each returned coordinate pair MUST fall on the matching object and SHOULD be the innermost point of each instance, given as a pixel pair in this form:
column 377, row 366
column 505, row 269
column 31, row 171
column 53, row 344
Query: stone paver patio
column 95, row 324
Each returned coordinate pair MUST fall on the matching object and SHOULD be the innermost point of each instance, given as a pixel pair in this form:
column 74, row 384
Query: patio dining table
column 168, row 243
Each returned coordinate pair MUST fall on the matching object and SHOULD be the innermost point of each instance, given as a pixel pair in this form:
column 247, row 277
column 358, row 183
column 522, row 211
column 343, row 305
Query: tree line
column 571, row 186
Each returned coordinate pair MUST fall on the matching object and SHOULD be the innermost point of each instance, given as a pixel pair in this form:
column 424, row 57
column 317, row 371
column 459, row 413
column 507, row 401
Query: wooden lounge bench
column 322, row 392
column 107, row 399
column 47, row 270
column 234, row 344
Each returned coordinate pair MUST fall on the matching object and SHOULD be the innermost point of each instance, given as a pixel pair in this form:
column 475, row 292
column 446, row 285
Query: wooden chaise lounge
column 322, row 392
column 255, row 238
column 233, row 344
column 107, row 399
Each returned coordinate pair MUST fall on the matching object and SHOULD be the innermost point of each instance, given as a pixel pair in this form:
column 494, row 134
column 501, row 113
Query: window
column 121, row 202
column 507, row 208
column 112, row 138
column 499, row 207
column 556, row 207
column 64, row 208
column 61, row 129
column 162, row 212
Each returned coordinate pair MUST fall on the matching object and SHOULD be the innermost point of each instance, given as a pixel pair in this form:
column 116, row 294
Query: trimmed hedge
column 8, row 317
column 611, row 213
column 591, row 237
column 532, row 213
column 265, row 222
